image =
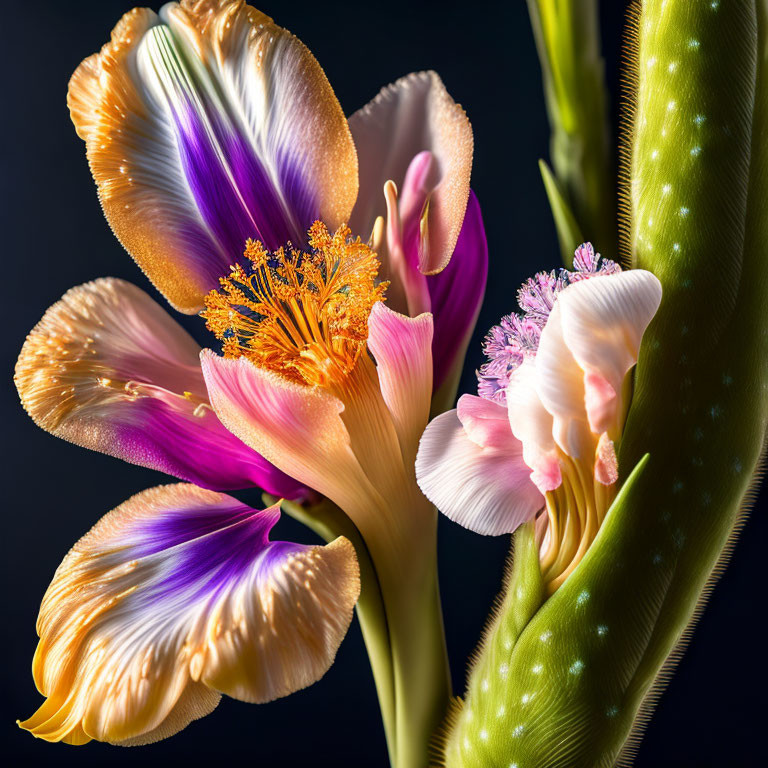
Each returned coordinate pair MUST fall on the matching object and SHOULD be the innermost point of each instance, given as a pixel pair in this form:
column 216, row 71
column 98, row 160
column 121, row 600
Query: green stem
column 567, row 40
column 419, row 654
column 329, row 522
column 401, row 619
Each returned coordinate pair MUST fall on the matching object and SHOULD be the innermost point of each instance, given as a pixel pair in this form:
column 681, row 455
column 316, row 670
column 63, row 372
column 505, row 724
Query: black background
column 54, row 237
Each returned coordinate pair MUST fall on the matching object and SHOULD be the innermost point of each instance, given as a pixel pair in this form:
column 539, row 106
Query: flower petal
column 486, row 489
column 559, row 384
column 298, row 428
column 108, row 369
column 456, row 296
column 414, row 115
column 532, row 425
column 206, row 126
column 603, row 321
column 176, row 596
column 485, row 422
column 401, row 346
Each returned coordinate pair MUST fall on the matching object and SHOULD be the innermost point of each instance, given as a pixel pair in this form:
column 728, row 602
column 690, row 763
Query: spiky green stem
column 584, row 671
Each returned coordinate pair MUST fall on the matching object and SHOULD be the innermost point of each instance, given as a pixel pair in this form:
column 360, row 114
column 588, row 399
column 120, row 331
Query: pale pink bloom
column 550, row 442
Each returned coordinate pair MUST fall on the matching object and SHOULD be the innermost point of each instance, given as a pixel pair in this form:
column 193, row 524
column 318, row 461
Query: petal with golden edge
column 603, row 322
column 298, row 428
column 532, row 425
column 173, row 598
column 402, row 348
column 415, row 115
column 107, row 368
column 204, row 126
column 483, row 487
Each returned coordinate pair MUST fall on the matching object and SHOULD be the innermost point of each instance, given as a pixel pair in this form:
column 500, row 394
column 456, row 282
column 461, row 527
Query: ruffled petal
column 559, row 384
column 108, row 369
column 177, row 596
column 603, row 321
column 298, row 428
column 532, row 425
column 401, row 347
column 412, row 116
column 456, row 295
column 486, row 489
column 204, row 126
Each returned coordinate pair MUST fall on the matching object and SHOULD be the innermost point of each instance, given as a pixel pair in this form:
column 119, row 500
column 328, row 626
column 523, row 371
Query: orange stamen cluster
column 301, row 314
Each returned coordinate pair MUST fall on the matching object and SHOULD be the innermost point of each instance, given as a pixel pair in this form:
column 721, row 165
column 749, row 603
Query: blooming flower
column 553, row 398
column 219, row 149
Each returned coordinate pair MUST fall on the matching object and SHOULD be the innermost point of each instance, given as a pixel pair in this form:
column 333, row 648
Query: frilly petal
column 532, row 425
column 204, row 126
column 177, row 596
column 487, row 488
column 559, row 384
column 108, row 369
column 409, row 117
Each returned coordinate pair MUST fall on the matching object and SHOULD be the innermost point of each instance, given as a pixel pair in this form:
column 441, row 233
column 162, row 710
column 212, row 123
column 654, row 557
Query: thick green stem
column 419, row 655
column 567, row 39
column 401, row 619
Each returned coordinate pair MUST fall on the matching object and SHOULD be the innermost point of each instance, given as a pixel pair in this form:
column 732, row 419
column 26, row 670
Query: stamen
column 302, row 315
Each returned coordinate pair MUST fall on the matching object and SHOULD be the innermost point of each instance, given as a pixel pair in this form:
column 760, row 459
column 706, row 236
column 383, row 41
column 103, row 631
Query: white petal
column 485, row 489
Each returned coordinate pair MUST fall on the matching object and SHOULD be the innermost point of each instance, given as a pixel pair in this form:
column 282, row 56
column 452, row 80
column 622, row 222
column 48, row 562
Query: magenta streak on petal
column 215, row 548
column 235, row 195
column 197, row 448
column 457, row 292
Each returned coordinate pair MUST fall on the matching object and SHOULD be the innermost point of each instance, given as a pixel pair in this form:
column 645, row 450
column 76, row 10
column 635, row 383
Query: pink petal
column 486, row 489
column 485, row 422
column 108, row 369
column 401, row 347
column 414, row 115
column 174, row 597
column 298, row 428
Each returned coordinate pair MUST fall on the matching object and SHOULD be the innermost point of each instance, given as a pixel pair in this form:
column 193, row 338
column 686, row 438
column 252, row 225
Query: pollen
column 303, row 315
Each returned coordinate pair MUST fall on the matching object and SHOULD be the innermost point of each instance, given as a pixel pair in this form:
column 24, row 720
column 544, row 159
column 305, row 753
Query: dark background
column 54, row 237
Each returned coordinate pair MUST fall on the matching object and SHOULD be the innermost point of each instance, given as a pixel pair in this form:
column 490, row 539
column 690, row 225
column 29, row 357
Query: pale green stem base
column 401, row 620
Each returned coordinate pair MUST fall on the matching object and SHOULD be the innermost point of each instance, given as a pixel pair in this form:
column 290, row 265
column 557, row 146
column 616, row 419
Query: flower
column 208, row 124
column 539, row 443
column 227, row 169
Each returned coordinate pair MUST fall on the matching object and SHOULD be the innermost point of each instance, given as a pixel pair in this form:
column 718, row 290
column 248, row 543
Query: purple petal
column 457, row 293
